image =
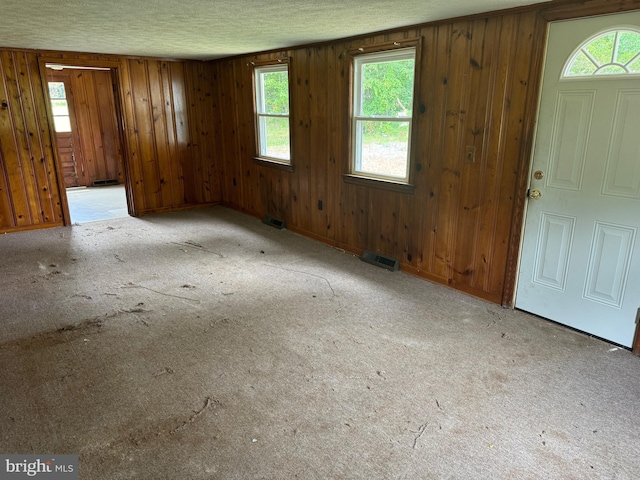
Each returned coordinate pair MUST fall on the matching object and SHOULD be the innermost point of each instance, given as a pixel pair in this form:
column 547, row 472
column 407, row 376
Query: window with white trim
column 272, row 113
column 614, row 52
column 59, row 107
column 382, row 114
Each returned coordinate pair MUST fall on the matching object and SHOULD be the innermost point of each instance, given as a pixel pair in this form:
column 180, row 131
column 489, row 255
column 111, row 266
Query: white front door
column 580, row 260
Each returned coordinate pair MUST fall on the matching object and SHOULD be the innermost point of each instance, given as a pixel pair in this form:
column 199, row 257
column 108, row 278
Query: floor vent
column 380, row 260
column 274, row 222
column 102, row 183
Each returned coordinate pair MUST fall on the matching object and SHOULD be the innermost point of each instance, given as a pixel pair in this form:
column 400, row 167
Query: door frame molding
column 116, row 68
column 554, row 11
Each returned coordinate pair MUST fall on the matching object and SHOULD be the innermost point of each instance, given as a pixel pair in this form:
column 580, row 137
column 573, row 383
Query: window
column 610, row 53
column 272, row 112
column 382, row 114
column 60, row 107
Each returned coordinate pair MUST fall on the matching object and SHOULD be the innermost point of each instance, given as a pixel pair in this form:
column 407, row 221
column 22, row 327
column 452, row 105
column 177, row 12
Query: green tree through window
column 609, row 53
column 272, row 112
column 382, row 114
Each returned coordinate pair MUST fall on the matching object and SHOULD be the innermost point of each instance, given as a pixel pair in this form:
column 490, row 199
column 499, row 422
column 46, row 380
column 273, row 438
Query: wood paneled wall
column 98, row 151
column 97, row 117
column 167, row 129
column 165, row 109
column 479, row 85
column 29, row 195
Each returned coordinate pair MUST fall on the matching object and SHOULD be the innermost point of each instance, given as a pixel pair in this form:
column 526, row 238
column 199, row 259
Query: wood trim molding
column 57, row 163
column 568, row 9
column 288, row 167
column 274, row 61
column 555, row 10
column 375, row 183
column 116, row 65
column 383, row 47
column 635, row 347
column 37, row 226
column 522, row 178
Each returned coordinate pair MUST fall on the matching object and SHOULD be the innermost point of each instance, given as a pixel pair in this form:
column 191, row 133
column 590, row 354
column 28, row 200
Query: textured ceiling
column 207, row 29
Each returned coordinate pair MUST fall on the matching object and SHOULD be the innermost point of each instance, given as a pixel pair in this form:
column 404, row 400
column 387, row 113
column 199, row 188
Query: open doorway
column 89, row 142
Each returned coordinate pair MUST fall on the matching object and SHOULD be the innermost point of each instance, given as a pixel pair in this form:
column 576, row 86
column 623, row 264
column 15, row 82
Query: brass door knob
column 535, row 194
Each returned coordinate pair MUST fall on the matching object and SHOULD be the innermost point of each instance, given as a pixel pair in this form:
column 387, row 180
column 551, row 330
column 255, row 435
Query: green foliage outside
column 387, row 91
column 276, row 101
column 56, row 90
column 276, row 92
column 387, row 88
column 603, row 49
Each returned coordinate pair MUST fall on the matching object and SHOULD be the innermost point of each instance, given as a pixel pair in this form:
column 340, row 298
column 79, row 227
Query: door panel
column 609, row 263
column 65, row 150
column 580, row 262
column 569, row 139
column 622, row 178
column 553, row 249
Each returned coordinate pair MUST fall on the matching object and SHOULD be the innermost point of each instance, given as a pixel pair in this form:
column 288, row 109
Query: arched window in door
column 613, row 52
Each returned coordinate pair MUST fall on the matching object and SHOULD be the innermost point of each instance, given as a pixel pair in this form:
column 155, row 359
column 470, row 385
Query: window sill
column 392, row 186
column 274, row 164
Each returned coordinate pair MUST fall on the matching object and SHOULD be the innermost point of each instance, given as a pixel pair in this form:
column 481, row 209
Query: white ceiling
column 207, row 29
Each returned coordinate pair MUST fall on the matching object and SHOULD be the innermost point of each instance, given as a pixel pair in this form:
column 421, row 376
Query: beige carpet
column 207, row 345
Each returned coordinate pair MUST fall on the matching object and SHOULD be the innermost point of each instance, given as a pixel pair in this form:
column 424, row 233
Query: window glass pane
column 383, row 87
column 272, row 98
column 384, row 148
column 581, row 66
column 62, row 124
column 56, row 90
column 628, row 46
column 276, row 92
column 275, row 143
column 602, row 48
column 634, row 67
column 611, row 53
column 387, row 88
column 611, row 70
column 59, row 107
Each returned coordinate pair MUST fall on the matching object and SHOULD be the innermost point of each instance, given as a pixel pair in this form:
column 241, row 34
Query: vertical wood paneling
column 228, row 123
column 133, row 167
column 145, row 133
column 107, row 117
column 523, row 85
column 420, row 233
column 23, row 181
column 456, row 225
column 157, row 73
column 200, row 87
column 86, row 108
column 318, row 123
column 170, row 127
column 176, row 130
column 154, row 103
column 301, row 137
column 248, row 172
column 95, row 113
column 29, row 191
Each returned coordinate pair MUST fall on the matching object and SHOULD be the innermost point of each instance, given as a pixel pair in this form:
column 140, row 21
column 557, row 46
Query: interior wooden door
column 67, row 134
column 67, row 159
